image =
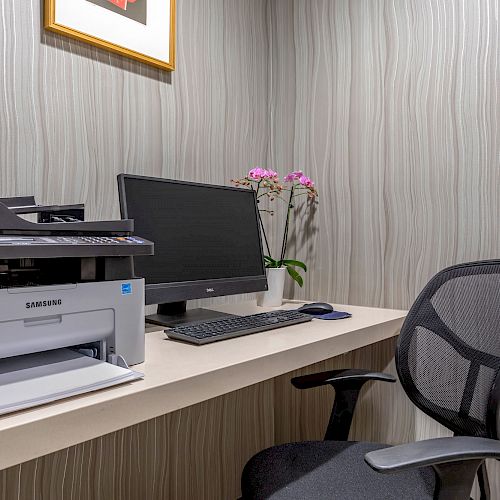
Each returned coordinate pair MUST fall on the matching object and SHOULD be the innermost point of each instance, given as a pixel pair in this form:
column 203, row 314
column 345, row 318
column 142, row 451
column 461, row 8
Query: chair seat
column 329, row 470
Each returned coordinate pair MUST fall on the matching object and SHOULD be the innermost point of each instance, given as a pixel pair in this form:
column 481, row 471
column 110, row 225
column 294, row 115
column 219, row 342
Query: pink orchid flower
column 292, row 176
column 261, row 173
column 306, row 181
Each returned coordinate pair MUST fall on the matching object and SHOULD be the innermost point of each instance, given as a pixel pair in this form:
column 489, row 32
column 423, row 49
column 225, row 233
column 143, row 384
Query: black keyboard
column 235, row 326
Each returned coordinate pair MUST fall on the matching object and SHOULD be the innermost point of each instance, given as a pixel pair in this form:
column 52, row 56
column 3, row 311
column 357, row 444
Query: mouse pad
column 332, row 315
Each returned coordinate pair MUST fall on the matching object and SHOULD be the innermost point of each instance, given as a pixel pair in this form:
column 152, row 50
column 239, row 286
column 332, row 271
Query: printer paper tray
column 35, row 379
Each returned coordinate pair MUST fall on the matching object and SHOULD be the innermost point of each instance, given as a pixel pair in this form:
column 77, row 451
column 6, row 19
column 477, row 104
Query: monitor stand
column 175, row 313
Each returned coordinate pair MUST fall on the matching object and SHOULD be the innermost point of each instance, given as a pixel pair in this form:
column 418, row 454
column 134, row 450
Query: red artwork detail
column 120, row 3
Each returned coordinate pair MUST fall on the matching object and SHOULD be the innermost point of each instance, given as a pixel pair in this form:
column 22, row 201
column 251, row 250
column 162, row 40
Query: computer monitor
column 207, row 243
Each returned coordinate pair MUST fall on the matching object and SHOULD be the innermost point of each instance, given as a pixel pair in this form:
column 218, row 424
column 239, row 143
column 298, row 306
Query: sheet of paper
column 35, row 379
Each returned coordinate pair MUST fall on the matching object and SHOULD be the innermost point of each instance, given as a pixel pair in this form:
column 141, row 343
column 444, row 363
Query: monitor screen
column 201, row 232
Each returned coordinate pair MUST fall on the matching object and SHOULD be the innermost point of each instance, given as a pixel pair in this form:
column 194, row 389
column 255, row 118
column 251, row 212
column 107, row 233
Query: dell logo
column 43, row 303
column 210, row 290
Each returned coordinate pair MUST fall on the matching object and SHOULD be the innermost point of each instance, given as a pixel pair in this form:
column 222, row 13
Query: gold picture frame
column 51, row 24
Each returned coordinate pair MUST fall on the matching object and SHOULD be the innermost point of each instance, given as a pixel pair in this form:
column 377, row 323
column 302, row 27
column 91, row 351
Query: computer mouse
column 317, row 308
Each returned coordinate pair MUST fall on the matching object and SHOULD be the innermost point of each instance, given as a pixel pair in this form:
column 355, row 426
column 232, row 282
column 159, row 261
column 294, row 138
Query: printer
column 69, row 286
column 45, row 213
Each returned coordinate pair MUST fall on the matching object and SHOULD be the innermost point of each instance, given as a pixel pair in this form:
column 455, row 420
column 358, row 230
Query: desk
column 199, row 414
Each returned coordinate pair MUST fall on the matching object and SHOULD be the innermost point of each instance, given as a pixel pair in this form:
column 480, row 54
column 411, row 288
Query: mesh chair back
column 448, row 354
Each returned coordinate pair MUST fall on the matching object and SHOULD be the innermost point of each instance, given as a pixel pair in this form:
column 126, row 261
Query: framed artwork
column 141, row 29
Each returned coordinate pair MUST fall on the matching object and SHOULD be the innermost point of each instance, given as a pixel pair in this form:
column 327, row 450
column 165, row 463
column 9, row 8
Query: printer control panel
column 71, row 240
column 102, row 240
column 44, row 246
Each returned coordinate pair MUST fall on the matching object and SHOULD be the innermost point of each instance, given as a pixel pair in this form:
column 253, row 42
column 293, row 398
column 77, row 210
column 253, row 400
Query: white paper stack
column 35, row 379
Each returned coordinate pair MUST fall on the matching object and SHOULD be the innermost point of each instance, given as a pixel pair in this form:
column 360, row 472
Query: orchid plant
column 267, row 184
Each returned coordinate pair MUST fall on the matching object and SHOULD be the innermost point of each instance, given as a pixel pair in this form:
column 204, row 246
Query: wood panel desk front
column 200, row 412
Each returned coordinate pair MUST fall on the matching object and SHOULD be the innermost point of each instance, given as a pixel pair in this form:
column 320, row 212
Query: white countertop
column 179, row 375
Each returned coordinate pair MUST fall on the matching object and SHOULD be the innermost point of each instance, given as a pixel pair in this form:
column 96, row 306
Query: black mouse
column 317, row 308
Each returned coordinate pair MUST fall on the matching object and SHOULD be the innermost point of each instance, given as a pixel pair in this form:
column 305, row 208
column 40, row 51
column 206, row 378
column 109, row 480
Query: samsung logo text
column 43, row 303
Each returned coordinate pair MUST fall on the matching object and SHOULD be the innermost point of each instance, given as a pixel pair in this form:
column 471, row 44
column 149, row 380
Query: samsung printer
column 68, row 286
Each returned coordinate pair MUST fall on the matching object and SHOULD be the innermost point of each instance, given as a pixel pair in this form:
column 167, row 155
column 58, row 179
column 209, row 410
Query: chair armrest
column 432, row 452
column 456, row 460
column 335, row 376
column 347, row 384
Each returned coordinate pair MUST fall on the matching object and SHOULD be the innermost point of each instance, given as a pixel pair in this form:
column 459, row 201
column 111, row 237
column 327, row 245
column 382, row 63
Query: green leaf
column 295, row 275
column 298, row 263
column 270, row 262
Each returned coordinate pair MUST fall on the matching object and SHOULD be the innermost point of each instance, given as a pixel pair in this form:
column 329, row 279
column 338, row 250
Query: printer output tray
column 35, row 379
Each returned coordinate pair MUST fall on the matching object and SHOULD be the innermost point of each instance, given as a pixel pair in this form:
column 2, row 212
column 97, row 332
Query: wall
column 393, row 107
column 72, row 117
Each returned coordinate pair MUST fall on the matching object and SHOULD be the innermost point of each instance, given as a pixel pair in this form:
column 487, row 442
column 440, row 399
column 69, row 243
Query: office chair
column 448, row 362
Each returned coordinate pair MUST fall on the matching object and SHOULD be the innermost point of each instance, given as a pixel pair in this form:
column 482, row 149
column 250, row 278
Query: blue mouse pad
column 333, row 315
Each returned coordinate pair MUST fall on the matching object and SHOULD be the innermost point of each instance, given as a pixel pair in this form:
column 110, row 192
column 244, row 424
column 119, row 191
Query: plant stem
column 264, row 234
column 261, row 223
column 287, row 223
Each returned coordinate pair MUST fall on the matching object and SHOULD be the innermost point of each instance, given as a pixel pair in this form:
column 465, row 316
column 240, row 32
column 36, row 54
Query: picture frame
column 143, row 30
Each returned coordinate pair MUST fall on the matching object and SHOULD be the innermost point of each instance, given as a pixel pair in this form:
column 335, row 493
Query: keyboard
column 235, row 326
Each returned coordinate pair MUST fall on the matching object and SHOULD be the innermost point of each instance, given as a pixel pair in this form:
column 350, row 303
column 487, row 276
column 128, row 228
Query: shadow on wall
column 301, row 240
column 102, row 56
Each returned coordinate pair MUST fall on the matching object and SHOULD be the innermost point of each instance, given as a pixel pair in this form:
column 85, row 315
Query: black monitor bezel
column 189, row 290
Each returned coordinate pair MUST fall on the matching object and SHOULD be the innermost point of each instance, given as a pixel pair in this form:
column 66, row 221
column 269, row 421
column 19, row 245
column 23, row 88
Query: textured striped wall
column 393, row 106
column 73, row 116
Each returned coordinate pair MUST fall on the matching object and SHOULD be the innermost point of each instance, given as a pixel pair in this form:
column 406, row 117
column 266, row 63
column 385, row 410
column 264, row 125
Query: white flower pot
column 273, row 297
